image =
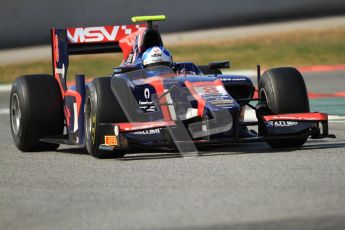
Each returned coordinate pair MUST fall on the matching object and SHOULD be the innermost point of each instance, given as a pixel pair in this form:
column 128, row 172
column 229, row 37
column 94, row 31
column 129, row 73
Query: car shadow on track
column 207, row 151
column 152, row 154
column 233, row 149
column 324, row 145
column 71, row 150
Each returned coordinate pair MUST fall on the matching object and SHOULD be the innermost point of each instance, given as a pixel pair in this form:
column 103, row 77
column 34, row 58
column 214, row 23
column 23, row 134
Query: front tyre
column 101, row 106
column 283, row 91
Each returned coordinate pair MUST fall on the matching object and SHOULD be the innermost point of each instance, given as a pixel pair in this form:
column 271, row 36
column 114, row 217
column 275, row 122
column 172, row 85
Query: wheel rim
column 15, row 114
column 88, row 118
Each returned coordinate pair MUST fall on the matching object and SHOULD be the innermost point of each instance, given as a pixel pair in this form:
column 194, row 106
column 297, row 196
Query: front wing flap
column 295, row 123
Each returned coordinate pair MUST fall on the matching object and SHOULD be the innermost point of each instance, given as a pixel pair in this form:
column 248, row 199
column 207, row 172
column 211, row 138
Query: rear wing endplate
column 85, row 40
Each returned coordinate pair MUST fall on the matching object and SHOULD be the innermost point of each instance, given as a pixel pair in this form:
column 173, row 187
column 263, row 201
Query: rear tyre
column 101, row 106
column 283, row 91
column 35, row 112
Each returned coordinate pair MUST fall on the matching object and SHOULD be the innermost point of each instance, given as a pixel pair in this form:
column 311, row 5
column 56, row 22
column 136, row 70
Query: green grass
column 286, row 49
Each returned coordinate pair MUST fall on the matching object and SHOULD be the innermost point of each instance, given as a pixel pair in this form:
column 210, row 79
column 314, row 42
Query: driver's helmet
column 156, row 55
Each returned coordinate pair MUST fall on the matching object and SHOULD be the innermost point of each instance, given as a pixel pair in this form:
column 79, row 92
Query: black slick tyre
column 35, row 112
column 283, row 91
column 101, row 106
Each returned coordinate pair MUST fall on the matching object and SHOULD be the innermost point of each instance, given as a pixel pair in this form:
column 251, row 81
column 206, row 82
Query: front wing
column 158, row 134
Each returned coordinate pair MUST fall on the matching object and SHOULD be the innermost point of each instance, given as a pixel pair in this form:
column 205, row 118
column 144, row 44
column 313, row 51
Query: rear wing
column 85, row 40
column 92, row 40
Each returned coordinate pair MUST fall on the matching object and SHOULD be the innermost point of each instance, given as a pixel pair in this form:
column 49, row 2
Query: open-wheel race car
column 170, row 104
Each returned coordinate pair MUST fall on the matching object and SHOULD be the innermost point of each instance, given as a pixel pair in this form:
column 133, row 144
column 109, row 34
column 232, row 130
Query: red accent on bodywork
column 127, row 43
column 110, row 140
column 55, row 50
column 127, row 127
column 67, row 115
column 256, row 93
column 201, row 101
column 157, row 83
column 78, row 99
column 297, row 117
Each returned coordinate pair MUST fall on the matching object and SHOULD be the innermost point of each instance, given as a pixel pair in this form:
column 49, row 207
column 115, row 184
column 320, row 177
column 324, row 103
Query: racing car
column 181, row 105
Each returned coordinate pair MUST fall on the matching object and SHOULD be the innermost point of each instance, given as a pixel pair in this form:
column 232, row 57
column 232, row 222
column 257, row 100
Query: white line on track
column 336, row 119
column 5, row 88
column 4, row 111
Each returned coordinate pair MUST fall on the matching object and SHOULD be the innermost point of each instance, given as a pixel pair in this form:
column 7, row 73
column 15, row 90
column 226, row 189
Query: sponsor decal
column 222, row 102
column 147, row 93
column 145, row 102
column 126, row 30
column 213, row 90
column 156, row 55
column 148, row 106
column 282, row 123
column 93, row 34
column 156, row 52
column 110, row 140
column 150, row 131
column 233, row 79
column 61, row 71
column 100, row 33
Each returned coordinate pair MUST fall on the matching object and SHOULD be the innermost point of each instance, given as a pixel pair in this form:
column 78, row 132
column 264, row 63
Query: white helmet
column 156, row 55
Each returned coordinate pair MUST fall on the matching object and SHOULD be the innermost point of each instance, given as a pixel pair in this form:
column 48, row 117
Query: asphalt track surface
column 247, row 186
